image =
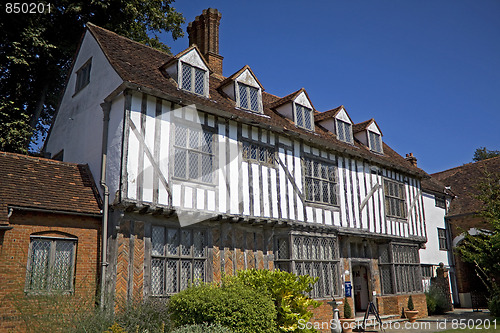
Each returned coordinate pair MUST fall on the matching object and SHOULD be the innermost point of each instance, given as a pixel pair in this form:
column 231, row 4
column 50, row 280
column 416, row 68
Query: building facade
column 206, row 175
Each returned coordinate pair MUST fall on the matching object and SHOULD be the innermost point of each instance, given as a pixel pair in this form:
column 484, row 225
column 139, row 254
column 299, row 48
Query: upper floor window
column 303, row 117
column 253, row 152
column 440, row 202
column 395, row 202
column 249, row 97
column 83, row 76
column 320, row 182
column 178, row 259
column 51, row 264
column 193, row 154
column 375, row 142
column 193, row 79
column 344, row 131
column 443, row 240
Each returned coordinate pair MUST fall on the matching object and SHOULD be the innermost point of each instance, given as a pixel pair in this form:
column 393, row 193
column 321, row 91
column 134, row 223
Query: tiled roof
column 33, row 182
column 238, row 73
column 140, row 65
column 463, row 181
column 327, row 114
column 288, row 98
column 433, row 185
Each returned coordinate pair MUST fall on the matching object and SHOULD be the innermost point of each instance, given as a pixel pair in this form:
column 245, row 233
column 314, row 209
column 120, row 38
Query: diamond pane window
column 320, row 181
column 403, row 273
column 184, row 261
column 375, row 142
column 193, row 79
column 344, row 131
column 395, row 200
column 248, row 97
column 193, row 154
column 51, row 265
column 83, row 76
column 257, row 153
column 304, row 117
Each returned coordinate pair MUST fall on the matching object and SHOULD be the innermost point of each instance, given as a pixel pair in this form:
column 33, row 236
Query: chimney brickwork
column 412, row 159
column 204, row 32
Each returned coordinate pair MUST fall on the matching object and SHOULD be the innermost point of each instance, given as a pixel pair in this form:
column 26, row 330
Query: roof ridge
column 466, row 165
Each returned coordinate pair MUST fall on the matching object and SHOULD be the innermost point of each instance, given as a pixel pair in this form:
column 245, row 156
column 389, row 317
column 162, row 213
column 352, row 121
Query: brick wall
column 390, row 305
column 14, row 256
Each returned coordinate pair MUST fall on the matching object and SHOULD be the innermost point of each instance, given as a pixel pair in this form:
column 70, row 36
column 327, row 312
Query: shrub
column 494, row 305
column 410, row 305
column 288, row 292
column 203, row 328
column 347, row 309
column 231, row 304
column 436, row 301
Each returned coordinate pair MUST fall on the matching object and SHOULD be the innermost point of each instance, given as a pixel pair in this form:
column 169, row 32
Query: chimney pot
column 412, row 159
column 204, row 33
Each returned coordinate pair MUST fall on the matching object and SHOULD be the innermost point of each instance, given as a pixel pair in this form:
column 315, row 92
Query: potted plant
column 347, row 322
column 411, row 313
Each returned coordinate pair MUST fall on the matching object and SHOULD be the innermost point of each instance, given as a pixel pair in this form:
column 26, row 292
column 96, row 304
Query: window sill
column 322, row 205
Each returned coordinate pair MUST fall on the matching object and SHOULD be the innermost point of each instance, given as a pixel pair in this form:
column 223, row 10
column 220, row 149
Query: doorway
column 361, row 292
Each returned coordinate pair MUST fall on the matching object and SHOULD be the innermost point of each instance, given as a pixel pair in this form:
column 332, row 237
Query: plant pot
column 347, row 325
column 411, row 315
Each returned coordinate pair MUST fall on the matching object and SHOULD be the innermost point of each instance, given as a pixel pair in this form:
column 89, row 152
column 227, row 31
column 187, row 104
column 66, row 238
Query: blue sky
column 428, row 71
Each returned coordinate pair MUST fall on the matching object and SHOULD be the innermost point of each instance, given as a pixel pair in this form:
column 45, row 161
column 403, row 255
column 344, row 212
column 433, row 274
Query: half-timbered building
column 204, row 175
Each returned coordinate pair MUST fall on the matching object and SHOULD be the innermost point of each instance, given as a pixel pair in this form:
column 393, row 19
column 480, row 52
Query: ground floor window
column 400, row 270
column 51, row 264
column 311, row 255
column 178, row 258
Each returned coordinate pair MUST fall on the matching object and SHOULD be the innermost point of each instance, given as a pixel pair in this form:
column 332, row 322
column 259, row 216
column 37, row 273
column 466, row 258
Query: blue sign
column 348, row 288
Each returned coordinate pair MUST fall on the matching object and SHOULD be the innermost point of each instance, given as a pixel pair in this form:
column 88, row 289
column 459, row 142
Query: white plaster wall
column 78, row 125
column 286, row 110
column 342, row 115
column 362, row 137
column 374, row 128
column 303, row 100
column 247, row 78
column 434, row 218
column 194, row 59
column 329, row 124
column 115, row 131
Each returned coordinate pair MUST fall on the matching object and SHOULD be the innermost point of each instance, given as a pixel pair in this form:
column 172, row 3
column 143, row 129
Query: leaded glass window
column 51, row 265
column 303, row 117
column 344, row 131
column 375, row 142
column 395, row 199
column 443, row 240
column 83, row 76
column 178, row 259
column 400, row 270
column 249, row 97
column 258, row 153
column 314, row 256
column 320, row 181
column 193, row 79
column 193, row 154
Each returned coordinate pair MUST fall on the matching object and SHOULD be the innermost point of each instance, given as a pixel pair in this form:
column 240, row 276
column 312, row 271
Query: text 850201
column 27, row 8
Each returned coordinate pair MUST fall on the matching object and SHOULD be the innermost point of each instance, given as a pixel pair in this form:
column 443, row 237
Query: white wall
column 434, row 218
column 78, row 125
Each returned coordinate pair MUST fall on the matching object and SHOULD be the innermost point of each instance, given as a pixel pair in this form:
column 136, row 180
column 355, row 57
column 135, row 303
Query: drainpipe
column 106, row 108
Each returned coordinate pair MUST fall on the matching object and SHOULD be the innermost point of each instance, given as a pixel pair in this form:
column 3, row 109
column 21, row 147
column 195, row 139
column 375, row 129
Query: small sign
column 348, row 288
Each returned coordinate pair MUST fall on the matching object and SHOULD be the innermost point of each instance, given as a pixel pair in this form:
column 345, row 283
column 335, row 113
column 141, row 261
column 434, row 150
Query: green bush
column 288, row 292
column 436, row 301
column 347, row 309
column 230, row 304
column 203, row 328
column 494, row 305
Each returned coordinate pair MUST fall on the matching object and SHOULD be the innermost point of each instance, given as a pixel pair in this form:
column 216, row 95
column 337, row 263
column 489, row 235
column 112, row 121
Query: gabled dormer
column 297, row 107
column 369, row 133
column 190, row 70
column 244, row 88
column 337, row 121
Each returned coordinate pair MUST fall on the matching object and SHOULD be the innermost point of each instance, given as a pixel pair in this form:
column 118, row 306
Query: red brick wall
column 388, row 305
column 14, row 245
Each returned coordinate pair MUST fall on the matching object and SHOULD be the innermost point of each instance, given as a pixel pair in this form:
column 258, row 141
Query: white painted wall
column 78, row 125
column 434, row 218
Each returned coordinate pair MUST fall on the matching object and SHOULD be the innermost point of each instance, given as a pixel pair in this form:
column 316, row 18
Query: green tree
column 36, row 52
column 482, row 153
column 483, row 249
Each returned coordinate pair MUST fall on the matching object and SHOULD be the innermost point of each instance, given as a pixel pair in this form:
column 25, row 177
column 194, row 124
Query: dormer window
column 249, row 97
column 344, row 131
column 375, row 142
column 303, row 117
column 193, row 79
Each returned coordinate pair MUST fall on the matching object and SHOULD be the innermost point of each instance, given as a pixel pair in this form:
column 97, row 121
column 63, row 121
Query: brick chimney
column 204, row 32
column 412, row 159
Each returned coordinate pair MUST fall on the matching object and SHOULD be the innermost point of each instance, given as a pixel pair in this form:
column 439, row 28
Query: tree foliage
column 483, row 249
column 36, row 52
column 482, row 153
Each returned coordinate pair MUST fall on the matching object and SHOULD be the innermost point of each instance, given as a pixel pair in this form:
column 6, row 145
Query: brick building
column 463, row 215
column 50, row 217
column 204, row 174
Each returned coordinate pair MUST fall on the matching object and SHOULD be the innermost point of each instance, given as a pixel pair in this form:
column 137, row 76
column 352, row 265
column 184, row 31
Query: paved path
column 450, row 320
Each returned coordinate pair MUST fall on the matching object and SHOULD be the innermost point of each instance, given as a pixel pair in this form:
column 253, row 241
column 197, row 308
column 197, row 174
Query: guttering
column 53, row 211
column 106, row 108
